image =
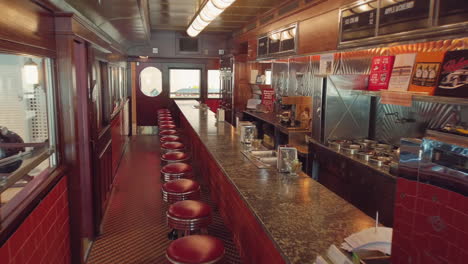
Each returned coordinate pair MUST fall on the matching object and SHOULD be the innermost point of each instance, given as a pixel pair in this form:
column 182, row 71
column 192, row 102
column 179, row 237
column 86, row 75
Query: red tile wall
column 430, row 225
column 44, row 237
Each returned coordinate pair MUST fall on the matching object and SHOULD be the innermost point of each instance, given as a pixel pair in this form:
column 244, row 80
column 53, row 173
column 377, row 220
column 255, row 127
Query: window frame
column 208, row 83
column 161, row 92
column 23, row 202
column 203, row 89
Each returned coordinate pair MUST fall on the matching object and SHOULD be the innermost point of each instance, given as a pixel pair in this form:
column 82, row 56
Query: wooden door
column 147, row 104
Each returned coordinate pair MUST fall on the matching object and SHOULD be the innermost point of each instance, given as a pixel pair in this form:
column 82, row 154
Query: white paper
column 336, row 256
column 326, row 64
column 379, row 239
column 253, row 76
column 320, row 260
column 402, row 72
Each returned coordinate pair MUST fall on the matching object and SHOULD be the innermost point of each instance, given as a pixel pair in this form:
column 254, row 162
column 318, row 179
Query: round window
column 151, row 81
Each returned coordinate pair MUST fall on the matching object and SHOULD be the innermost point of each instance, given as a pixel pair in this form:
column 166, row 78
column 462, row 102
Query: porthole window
column 151, row 81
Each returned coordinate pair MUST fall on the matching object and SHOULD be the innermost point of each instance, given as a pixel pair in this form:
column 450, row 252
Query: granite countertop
column 302, row 217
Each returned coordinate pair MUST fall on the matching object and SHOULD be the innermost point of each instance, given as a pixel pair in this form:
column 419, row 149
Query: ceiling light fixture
column 208, row 13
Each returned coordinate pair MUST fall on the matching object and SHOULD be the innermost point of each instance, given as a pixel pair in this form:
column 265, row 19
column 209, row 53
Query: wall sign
column 282, row 41
column 268, row 98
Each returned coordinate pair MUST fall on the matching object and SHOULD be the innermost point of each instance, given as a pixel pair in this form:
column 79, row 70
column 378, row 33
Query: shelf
column 423, row 98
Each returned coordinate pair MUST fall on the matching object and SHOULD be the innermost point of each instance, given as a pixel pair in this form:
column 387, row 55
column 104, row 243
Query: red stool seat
column 180, row 190
column 168, row 132
column 165, row 118
column 170, row 139
column 167, row 127
column 189, row 209
column 163, row 110
column 195, row 249
column 172, row 146
column 177, row 168
column 181, row 186
column 176, row 156
column 166, row 123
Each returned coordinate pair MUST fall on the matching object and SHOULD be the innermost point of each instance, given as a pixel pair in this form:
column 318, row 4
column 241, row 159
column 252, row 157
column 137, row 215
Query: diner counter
column 300, row 216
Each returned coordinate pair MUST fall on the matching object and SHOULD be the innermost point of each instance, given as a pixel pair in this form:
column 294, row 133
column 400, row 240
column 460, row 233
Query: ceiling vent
column 251, row 26
column 288, row 8
column 266, row 19
column 188, row 45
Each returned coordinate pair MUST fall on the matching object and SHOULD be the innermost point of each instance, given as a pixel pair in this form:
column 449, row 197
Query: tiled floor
column 134, row 227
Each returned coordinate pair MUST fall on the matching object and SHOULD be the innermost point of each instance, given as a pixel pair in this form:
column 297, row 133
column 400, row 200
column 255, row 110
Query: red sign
column 380, row 72
column 268, row 98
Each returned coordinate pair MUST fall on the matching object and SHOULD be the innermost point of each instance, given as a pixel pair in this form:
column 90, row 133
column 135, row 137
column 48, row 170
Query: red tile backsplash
column 436, row 231
column 44, row 237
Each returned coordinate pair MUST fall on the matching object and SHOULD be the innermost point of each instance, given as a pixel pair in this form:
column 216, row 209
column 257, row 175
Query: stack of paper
column 379, row 239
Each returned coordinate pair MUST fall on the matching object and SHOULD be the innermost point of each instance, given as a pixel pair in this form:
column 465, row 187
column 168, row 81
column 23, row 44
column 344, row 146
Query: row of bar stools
column 185, row 212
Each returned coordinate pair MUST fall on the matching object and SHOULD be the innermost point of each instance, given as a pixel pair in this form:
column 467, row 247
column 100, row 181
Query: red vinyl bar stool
column 180, row 190
column 163, row 111
column 163, row 127
column 172, row 146
column 175, row 156
column 166, row 123
column 170, row 139
column 168, row 132
column 196, row 249
column 176, row 170
column 168, row 118
column 188, row 216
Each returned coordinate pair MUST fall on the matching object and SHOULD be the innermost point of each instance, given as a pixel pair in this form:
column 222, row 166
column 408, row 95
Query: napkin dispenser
column 247, row 134
column 220, row 114
column 286, row 157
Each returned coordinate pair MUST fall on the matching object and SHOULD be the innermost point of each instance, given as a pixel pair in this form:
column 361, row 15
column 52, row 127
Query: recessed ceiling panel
column 177, row 14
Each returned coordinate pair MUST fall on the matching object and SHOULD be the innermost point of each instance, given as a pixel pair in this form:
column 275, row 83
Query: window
column 151, row 81
column 213, row 84
column 27, row 123
column 185, row 83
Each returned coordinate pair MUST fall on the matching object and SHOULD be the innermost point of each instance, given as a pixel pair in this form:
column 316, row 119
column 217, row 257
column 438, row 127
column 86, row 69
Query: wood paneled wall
column 26, row 28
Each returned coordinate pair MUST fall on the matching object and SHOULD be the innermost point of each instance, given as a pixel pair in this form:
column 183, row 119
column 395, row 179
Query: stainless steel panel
column 299, row 77
column 279, row 78
column 346, row 112
column 394, row 122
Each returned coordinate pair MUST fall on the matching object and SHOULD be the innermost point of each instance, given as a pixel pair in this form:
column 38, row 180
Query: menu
column 403, row 16
column 454, row 76
column 426, row 72
column 361, row 25
column 381, row 71
column 402, row 72
column 268, row 98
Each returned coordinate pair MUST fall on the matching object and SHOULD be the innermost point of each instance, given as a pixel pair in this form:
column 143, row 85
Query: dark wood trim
column 29, row 198
column 18, row 48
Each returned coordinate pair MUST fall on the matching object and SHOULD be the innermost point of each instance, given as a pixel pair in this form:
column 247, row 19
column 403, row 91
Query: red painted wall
column 44, row 237
column 430, row 225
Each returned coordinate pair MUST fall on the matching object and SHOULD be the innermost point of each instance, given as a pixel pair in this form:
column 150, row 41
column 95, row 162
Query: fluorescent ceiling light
column 192, row 32
column 211, row 10
column 223, row 4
